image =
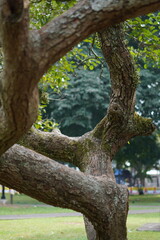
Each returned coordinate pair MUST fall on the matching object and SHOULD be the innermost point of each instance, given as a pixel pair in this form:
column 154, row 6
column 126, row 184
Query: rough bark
column 119, row 124
column 34, row 51
column 92, row 152
column 27, row 55
column 64, row 150
column 86, row 17
column 101, row 200
column 18, row 95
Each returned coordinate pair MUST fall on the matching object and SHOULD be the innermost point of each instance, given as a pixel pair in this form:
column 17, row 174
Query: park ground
column 70, row 228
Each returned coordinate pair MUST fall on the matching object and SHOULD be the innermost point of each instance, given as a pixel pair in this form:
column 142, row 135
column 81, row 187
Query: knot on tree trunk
column 115, row 112
column 12, row 10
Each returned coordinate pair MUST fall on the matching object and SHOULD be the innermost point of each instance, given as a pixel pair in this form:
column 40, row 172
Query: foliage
column 79, row 108
column 144, row 39
column 84, row 103
column 59, row 74
column 142, row 153
column 42, row 11
column 57, row 77
column 42, row 124
column 148, row 95
column 142, row 35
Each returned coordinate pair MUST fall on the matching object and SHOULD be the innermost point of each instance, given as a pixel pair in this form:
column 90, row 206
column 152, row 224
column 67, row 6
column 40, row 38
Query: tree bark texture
column 102, row 201
column 27, row 55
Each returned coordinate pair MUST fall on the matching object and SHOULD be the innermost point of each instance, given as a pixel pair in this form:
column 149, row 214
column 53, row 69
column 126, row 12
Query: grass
column 144, row 200
column 133, row 199
column 69, row 228
column 135, row 221
column 13, row 210
column 20, row 209
column 33, row 206
column 23, row 204
column 22, row 199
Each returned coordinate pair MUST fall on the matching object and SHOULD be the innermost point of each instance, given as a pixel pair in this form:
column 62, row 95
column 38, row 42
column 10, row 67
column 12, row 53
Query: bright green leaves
column 87, row 56
column 58, row 75
column 144, row 39
column 42, row 124
column 42, row 11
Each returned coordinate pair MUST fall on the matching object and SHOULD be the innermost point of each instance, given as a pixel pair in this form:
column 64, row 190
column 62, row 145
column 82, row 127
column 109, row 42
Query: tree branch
column 18, row 95
column 57, row 185
column 60, row 35
column 124, row 78
column 53, row 145
column 142, row 126
column 13, row 10
column 120, row 124
column 28, row 54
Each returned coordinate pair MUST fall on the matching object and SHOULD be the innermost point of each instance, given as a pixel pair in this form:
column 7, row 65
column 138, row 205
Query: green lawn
column 135, row 221
column 69, row 228
column 133, row 199
column 22, row 199
column 144, row 200
column 12, row 210
column 20, row 209
column 33, row 206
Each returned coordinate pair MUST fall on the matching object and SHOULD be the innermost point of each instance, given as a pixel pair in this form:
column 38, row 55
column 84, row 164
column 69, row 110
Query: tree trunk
column 100, row 164
column 35, row 51
column 3, row 192
column 27, row 56
column 93, row 152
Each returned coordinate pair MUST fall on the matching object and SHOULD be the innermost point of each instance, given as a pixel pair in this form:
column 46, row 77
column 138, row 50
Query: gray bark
column 35, row 51
column 94, row 193
column 100, row 199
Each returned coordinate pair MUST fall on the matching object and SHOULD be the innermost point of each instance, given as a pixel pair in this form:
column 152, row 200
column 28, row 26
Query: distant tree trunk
column 3, row 192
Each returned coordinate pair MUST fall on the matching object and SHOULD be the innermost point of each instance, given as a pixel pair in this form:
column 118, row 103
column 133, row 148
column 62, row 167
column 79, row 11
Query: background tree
column 148, row 96
column 75, row 108
column 79, row 107
column 143, row 154
column 82, row 105
column 27, row 56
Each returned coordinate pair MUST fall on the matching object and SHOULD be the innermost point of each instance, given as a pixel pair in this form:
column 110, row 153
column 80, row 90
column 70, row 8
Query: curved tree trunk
column 27, row 56
column 116, row 132
column 115, row 223
column 93, row 152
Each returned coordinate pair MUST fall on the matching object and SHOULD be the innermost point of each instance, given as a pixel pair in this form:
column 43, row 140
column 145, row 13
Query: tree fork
column 98, row 197
column 113, row 131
